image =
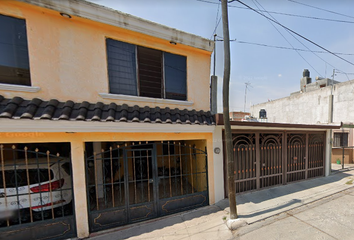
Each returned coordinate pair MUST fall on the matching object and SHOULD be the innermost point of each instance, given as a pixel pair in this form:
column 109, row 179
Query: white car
column 38, row 190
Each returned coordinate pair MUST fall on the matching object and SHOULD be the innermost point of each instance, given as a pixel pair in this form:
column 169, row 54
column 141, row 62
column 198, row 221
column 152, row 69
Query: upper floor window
column 340, row 140
column 14, row 62
column 140, row 71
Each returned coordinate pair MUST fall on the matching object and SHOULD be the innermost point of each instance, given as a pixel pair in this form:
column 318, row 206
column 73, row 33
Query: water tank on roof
column 306, row 73
column 262, row 114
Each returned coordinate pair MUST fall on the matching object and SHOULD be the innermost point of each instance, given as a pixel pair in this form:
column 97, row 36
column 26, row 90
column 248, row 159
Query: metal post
column 343, row 148
column 258, row 162
column 214, row 53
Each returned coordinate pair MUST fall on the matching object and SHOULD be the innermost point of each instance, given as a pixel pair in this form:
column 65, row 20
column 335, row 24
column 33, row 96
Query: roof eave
column 98, row 13
column 220, row 122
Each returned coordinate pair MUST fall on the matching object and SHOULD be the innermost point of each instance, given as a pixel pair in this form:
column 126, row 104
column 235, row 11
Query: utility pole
column 214, row 53
column 248, row 84
column 213, row 85
column 226, row 112
column 330, row 114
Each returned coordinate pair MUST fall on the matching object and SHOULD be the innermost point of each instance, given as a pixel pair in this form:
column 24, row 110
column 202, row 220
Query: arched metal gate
column 131, row 183
column 264, row 159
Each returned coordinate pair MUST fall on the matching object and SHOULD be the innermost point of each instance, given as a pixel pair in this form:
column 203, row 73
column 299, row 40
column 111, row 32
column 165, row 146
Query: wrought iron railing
column 34, row 186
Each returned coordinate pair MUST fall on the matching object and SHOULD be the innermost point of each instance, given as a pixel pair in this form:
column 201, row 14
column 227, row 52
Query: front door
column 141, row 182
column 121, row 186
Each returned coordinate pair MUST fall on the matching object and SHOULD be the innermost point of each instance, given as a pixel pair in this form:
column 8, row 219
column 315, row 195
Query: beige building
column 104, row 120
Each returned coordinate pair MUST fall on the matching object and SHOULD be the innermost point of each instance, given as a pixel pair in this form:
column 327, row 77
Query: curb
column 234, row 224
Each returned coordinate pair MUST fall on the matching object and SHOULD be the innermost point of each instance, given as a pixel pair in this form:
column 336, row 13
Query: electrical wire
column 287, row 14
column 288, row 48
column 303, row 45
column 307, row 5
column 287, row 39
column 216, row 21
column 317, row 45
column 300, row 42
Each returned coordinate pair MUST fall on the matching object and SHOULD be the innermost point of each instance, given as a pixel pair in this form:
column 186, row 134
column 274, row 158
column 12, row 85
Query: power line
column 286, row 38
column 288, row 48
column 307, row 5
column 216, row 21
column 301, row 43
column 296, row 33
column 287, row 14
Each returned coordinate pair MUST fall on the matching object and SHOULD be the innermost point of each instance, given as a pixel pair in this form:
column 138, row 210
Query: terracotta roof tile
column 18, row 108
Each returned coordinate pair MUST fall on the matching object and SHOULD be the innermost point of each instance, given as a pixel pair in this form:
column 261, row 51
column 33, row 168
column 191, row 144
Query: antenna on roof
column 248, row 84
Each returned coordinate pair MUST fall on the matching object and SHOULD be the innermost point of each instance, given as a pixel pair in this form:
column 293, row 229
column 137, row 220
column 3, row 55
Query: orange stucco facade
column 68, row 61
column 77, row 143
column 68, row 57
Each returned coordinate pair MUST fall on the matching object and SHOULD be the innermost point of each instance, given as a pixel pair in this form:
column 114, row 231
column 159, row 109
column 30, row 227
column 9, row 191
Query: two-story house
column 104, row 119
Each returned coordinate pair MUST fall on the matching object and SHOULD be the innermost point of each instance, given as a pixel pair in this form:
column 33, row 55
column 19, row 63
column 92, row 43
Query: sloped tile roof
column 19, row 108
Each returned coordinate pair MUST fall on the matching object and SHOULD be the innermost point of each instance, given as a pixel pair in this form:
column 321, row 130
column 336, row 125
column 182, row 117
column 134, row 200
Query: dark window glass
column 14, row 62
column 121, row 67
column 19, row 177
column 340, row 140
column 140, row 71
column 175, row 76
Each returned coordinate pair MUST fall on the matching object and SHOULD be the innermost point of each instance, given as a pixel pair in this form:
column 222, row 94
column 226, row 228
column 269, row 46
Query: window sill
column 18, row 88
column 143, row 99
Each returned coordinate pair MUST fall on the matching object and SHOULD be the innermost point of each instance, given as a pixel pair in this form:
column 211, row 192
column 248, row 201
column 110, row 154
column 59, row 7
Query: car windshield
column 18, row 177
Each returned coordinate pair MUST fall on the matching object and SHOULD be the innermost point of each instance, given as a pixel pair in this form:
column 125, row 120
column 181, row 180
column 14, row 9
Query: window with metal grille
column 140, row 71
column 340, row 140
column 14, row 62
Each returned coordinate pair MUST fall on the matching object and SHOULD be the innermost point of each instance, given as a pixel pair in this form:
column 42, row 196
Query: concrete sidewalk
column 209, row 222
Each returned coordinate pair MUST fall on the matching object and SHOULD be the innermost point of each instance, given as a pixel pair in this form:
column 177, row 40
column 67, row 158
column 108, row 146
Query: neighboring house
column 268, row 154
column 318, row 102
column 104, row 120
column 238, row 116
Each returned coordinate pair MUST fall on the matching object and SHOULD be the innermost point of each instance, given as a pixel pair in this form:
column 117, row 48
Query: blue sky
column 272, row 72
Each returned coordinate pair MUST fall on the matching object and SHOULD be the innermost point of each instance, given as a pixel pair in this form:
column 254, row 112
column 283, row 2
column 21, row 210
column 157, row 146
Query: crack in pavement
column 312, row 226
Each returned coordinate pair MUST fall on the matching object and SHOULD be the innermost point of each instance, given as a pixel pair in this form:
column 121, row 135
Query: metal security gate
column 36, row 197
column 264, row 159
column 245, row 169
column 271, row 160
column 296, row 157
column 134, row 182
column 316, row 153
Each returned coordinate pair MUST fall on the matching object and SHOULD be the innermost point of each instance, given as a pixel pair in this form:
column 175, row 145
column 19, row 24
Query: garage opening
column 133, row 181
column 264, row 159
column 36, row 189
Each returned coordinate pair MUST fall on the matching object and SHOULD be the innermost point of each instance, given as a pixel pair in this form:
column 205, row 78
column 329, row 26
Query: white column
column 218, row 164
column 328, row 156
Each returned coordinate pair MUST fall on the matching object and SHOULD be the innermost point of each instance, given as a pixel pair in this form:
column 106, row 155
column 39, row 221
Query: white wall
column 218, row 164
column 312, row 107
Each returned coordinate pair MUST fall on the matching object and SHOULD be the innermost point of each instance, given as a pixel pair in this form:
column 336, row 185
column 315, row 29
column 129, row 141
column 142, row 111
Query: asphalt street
column 320, row 208
column 329, row 218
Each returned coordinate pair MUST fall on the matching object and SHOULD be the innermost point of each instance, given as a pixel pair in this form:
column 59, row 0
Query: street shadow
column 290, row 188
column 152, row 227
column 278, row 207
